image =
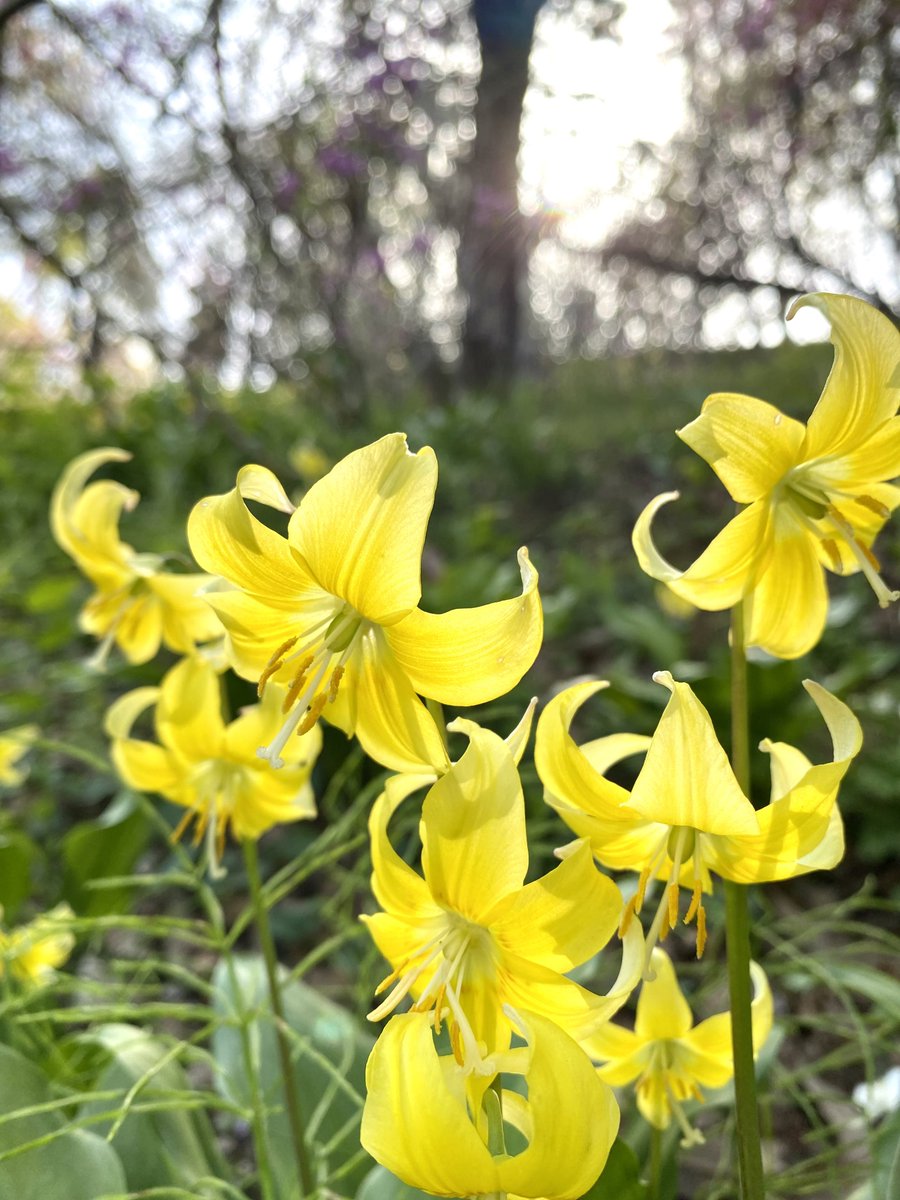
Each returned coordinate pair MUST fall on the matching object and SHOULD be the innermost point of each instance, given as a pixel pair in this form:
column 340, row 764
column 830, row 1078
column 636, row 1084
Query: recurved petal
column 570, row 777
column 863, row 388
column 725, row 570
column 564, row 1157
column 270, row 798
column 749, row 444
column 189, row 713
column 399, row 889
column 186, row 616
column 710, row 1058
column 147, row 767
column 416, row 1125
column 785, row 612
column 66, row 495
column 875, row 459
column 662, row 1011
column 138, row 631
column 474, row 848
column 471, row 655
column 227, row 540
column 360, row 529
column 516, row 741
column 563, row 919
column 686, row 779
column 380, row 706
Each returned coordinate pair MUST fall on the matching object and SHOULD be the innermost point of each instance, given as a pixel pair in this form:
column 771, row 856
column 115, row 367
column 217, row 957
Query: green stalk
column 737, row 931
column 267, row 945
column 655, row 1163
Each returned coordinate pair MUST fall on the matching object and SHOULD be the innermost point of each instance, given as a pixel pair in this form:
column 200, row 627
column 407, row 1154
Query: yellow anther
column 336, row 676
column 387, row 981
column 627, row 915
column 297, row 685
column 456, row 1043
column 672, row 898
column 701, row 930
column 829, row 545
column 438, row 1007
column 221, row 830
column 641, row 889
column 200, row 828
column 315, row 711
column 869, row 557
column 696, row 897
column 275, row 663
column 178, row 832
column 873, row 505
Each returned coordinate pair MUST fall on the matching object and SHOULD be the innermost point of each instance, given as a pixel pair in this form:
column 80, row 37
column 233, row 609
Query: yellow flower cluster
column 486, row 1085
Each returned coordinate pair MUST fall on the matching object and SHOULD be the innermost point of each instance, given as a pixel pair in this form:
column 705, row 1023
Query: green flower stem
column 655, row 1163
column 267, row 944
column 737, row 931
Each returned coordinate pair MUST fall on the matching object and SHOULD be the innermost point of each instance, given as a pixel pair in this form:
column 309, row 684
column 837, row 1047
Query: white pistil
column 272, row 752
column 664, row 920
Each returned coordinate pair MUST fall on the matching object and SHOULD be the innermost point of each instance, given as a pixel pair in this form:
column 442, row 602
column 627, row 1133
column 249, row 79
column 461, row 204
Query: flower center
column 662, row 1068
column 214, row 789
column 317, row 669
column 461, row 953
column 817, row 511
column 680, row 845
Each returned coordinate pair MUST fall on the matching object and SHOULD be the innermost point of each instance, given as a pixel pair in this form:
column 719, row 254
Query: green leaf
column 99, row 849
column 17, row 853
column 330, row 1052
column 75, row 1165
column 620, row 1178
column 380, row 1184
column 155, row 1148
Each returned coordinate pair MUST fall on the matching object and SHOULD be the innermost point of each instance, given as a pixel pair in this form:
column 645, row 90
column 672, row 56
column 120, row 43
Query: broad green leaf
column 17, row 853
column 380, row 1184
column 330, row 1052
column 173, row 1147
column 75, row 1165
column 620, row 1178
column 99, row 849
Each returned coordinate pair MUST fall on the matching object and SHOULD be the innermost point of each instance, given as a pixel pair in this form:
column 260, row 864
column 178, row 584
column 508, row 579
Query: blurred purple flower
column 286, row 189
column 349, row 164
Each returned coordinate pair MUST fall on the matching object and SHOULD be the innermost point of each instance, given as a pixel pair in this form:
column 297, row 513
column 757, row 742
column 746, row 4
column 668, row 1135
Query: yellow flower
column 686, row 816
column 669, row 1056
column 211, row 768
column 137, row 604
column 14, row 744
column 442, row 1129
column 32, row 952
column 331, row 610
column 469, row 938
column 816, row 495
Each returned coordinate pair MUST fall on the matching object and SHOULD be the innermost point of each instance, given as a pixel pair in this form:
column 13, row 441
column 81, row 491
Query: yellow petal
column 863, row 389
column 257, row 725
column 474, row 848
column 147, row 767
column 472, row 655
column 546, row 922
column 749, row 444
column 875, row 459
column 515, row 741
column 399, row 890
column 186, row 617
column 360, row 530
column 272, row 798
column 257, row 628
column 139, row 630
column 380, row 706
column 569, row 776
column 415, row 1124
column 622, row 1053
column 76, row 541
column 227, row 540
column 565, row 1156
column 121, row 715
column 14, row 744
column 535, row 988
column 709, row 1052
column 189, row 713
column 662, row 1011
column 686, row 780
column 725, row 570
column 785, row 612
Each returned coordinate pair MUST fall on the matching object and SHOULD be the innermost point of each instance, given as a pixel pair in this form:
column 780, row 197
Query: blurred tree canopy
column 265, row 189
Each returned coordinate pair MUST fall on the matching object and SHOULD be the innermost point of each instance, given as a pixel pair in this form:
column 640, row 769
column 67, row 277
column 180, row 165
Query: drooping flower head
column 686, row 817
column 816, row 495
column 670, row 1057
column 14, row 744
column 136, row 604
column 468, row 936
column 32, row 952
column 209, row 767
column 331, row 610
column 440, row 1127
